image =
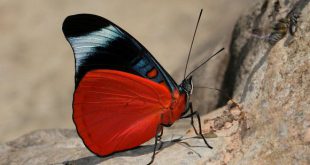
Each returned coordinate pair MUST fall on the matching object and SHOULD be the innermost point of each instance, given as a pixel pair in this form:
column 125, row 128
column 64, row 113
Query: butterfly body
column 122, row 94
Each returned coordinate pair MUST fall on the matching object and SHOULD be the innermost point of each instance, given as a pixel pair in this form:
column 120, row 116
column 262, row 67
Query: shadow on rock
column 138, row 151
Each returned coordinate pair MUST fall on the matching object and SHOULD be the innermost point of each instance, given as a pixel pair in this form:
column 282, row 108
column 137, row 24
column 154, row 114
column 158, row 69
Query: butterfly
column 123, row 97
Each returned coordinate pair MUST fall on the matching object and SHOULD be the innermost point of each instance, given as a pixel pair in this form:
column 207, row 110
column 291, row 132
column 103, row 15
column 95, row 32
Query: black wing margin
column 98, row 43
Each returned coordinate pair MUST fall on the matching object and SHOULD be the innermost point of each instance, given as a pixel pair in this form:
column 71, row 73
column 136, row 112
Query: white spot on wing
column 83, row 46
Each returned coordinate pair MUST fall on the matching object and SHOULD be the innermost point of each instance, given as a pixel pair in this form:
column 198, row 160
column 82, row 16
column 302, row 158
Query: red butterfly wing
column 115, row 111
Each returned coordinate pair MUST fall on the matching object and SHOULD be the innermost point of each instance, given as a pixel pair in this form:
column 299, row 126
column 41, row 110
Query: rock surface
column 270, row 125
column 179, row 146
column 272, row 82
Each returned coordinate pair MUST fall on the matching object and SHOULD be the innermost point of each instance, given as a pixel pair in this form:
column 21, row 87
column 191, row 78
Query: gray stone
column 272, row 82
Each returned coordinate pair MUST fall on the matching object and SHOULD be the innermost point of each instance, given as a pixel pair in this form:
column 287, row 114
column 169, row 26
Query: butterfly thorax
column 186, row 87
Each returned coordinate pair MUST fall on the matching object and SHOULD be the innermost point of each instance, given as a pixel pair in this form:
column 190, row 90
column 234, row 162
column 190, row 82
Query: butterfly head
column 187, row 85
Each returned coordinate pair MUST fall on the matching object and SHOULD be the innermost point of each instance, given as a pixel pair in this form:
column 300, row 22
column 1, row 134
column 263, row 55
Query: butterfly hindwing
column 100, row 44
column 115, row 111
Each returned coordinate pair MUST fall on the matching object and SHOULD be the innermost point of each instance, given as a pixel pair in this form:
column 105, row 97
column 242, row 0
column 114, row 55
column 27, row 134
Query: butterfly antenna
column 190, row 50
column 225, row 94
column 204, row 62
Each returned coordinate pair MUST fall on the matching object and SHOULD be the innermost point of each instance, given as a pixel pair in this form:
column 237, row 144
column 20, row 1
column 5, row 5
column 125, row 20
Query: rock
column 65, row 147
column 307, row 136
column 227, row 125
column 45, row 147
column 235, row 112
column 272, row 82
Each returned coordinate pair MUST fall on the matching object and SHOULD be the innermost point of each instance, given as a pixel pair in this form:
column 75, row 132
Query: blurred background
column 37, row 64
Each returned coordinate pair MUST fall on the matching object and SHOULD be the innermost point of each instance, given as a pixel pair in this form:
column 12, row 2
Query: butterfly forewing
column 100, row 44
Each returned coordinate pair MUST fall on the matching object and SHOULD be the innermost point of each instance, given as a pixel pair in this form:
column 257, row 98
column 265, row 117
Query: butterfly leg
column 191, row 115
column 159, row 133
column 159, row 137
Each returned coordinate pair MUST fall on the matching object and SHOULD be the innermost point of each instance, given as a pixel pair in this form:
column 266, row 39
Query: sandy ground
column 36, row 66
